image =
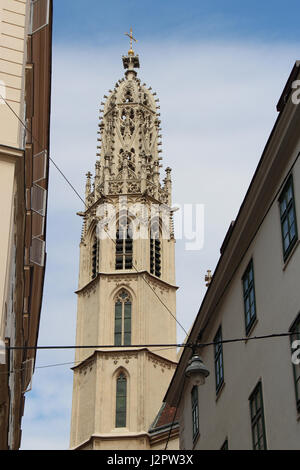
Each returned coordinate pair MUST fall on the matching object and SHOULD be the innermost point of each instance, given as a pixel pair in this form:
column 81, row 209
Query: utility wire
column 174, row 345
column 193, row 346
column 47, row 366
column 41, row 146
column 76, row 192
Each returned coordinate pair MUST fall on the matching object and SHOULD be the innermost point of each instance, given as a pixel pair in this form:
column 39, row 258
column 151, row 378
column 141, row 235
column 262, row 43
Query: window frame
column 257, row 417
column 124, row 246
column 218, row 356
column 246, row 296
column 120, row 318
column 290, row 204
column 155, row 256
column 155, row 248
column 225, row 445
column 121, row 376
column 195, row 411
column 295, row 329
column 94, row 256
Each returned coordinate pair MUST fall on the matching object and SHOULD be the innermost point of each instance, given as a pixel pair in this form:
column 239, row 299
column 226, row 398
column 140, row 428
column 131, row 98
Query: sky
column 218, row 69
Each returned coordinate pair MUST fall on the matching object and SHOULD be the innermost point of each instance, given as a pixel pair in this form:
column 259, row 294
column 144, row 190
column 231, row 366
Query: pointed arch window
column 121, row 399
column 95, row 256
column 124, row 245
column 155, row 249
column 123, row 319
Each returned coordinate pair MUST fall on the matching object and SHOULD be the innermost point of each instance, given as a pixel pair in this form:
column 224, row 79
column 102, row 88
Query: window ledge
column 290, row 255
column 220, row 391
column 251, row 329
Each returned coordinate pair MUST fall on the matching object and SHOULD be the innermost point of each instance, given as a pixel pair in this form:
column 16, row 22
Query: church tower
column 127, row 292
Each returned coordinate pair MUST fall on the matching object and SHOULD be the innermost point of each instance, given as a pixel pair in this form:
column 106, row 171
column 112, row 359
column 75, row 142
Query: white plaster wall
column 245, row 363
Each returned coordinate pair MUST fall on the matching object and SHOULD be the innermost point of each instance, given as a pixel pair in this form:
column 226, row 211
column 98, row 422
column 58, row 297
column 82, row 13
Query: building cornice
column 159, row 436
column 8, row 153
column 111, row 197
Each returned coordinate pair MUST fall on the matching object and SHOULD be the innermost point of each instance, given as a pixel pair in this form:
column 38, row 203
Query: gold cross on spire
column 131, row 51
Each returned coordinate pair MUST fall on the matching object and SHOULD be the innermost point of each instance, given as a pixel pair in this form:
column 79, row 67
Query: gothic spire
column 129, row 142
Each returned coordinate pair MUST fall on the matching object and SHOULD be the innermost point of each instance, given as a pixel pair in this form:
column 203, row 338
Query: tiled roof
column 164, row 418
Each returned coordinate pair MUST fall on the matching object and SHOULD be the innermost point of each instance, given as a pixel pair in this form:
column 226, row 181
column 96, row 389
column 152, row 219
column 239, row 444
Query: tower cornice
column 124, row 352
column 123, row 276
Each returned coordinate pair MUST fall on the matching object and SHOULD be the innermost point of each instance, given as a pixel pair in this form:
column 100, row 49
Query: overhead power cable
column 41, row 146
column 164, row 347
column 168, row 345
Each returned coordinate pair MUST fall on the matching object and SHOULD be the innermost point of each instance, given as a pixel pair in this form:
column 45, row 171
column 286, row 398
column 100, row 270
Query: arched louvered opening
column 124, row 244
column 155, row 248
column 94, row 255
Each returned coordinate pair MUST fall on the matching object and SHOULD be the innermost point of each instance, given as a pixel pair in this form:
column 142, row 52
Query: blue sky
column 218, row 68
column 176, row 20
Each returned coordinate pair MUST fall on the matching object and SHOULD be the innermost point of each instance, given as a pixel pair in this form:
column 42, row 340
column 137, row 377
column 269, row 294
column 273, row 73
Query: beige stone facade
column 251, row 398
column 126, row 187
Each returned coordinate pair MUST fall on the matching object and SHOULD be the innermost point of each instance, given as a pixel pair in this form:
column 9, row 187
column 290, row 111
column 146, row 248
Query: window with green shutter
column 249, row 297
column 257, row 419
column 288, row 218
column 195, row 411
column 219, row 368
column 121, row 399
column 122, row 319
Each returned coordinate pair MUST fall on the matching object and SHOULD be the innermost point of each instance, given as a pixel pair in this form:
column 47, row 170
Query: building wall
column 13, row 21
column 94, row 397
column 12, row 62
column 227, row 414
column 7, row 174
column 13, row 25
column 25, row 79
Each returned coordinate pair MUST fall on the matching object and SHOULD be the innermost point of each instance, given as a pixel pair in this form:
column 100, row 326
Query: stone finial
column 168, row 173
column 88, row 182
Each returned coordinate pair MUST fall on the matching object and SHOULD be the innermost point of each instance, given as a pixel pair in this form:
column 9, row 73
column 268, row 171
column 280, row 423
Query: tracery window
column 121, row 399
column 123, row 307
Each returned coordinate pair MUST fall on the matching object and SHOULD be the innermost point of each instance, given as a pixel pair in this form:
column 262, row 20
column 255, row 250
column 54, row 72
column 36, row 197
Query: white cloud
column 218, row 107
